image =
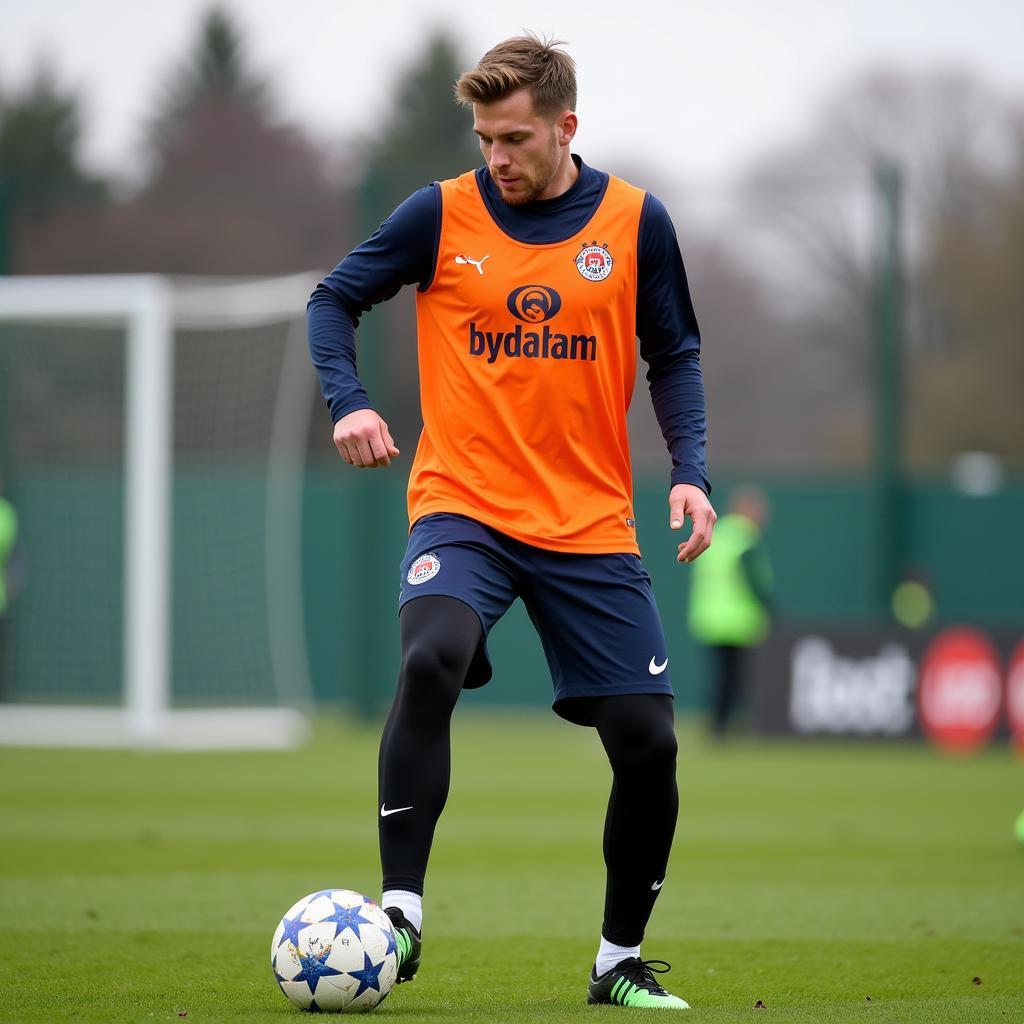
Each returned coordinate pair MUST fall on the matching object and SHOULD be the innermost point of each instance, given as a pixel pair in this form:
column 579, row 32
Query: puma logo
column 479, row 264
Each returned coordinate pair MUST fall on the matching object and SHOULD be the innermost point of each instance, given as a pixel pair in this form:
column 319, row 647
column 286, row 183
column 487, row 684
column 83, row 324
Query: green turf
column 833, row 883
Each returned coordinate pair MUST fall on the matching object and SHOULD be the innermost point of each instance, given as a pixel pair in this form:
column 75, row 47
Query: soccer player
column 535, row 275
column 731, row 600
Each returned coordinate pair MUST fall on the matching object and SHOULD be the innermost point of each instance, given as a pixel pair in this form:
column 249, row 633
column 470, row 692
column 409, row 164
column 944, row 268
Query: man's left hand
column 689, row 500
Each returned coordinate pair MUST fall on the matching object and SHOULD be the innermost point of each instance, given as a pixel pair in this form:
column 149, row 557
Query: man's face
column 523, row 149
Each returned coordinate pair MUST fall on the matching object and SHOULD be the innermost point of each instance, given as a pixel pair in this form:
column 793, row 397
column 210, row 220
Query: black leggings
column 440, row 637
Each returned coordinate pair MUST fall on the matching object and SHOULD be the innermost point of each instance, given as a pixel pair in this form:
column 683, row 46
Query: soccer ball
column 335, row 951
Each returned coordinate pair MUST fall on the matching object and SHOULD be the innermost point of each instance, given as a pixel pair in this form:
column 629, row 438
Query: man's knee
column 439, row 639
column 641, row 734
column 655, row 746
column 429, row 659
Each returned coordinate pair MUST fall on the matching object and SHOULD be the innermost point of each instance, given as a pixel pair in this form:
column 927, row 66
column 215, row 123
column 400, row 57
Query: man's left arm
column 670, row 345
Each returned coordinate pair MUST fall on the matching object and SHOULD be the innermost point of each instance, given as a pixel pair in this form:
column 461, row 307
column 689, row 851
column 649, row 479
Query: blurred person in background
column 731, row 599
column 8, row 538
column 535, row 274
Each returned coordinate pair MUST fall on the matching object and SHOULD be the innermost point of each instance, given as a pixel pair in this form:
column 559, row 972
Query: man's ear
column 567, row 129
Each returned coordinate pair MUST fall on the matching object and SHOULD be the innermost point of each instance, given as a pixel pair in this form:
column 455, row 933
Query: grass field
column 833, row 883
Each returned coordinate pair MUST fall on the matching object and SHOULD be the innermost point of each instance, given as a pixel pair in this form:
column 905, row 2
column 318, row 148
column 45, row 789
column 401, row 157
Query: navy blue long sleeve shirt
column 403, row 250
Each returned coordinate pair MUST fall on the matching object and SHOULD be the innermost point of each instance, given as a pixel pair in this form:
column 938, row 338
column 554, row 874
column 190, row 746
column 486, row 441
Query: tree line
column 229, row 187
column 782, row 287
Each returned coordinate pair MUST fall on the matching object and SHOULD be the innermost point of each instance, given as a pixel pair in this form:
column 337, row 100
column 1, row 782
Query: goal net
column 152, row 442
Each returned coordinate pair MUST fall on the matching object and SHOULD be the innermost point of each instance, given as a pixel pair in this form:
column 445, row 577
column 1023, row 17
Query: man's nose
column 499, row 157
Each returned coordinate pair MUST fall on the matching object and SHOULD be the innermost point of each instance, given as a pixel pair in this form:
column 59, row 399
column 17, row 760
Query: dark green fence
column 823, row 539
column 64, row 630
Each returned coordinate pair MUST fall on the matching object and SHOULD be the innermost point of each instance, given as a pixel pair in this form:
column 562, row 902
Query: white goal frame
column 149, row 307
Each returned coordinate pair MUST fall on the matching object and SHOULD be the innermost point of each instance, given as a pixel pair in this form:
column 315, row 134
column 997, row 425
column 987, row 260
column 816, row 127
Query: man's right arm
column 401, row 251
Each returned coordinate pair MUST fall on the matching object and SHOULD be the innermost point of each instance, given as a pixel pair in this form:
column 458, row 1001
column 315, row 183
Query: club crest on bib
column 594, row 262
column 426, row 567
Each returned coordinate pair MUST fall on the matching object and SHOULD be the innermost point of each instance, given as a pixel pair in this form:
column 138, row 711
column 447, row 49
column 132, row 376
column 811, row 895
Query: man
column 535, row 274
column 730, row 600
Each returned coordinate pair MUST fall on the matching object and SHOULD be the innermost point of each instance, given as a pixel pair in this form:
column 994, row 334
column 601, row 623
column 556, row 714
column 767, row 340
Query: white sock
column 608, row 955
column 409, row 903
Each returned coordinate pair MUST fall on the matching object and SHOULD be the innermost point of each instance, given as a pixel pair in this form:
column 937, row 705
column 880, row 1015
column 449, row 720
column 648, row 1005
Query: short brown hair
column 522, row 62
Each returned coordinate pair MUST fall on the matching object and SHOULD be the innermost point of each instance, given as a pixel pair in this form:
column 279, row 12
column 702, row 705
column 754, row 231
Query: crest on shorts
column 594, row 262
column 426, row 567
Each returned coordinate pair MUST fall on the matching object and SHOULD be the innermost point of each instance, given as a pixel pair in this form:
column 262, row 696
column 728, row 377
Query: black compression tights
column 639, row 737
column 440, row 636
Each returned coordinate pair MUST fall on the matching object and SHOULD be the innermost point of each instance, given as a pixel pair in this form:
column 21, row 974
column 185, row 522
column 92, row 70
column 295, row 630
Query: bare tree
column 966, row 391
column 809, row 209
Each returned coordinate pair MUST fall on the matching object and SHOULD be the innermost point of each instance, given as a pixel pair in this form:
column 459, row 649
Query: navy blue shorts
column 595, row 614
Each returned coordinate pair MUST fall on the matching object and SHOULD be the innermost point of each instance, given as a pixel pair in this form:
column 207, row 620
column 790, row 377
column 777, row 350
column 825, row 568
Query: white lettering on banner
column 834, row 694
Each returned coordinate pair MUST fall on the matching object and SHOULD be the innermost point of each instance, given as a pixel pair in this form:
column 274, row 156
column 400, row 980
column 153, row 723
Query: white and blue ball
column 335, row 952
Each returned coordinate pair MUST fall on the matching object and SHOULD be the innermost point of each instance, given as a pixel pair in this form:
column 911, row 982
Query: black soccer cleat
column 631, row 983
column 409, row 942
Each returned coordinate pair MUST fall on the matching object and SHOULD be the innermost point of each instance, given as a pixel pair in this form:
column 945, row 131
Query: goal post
column 150, row 311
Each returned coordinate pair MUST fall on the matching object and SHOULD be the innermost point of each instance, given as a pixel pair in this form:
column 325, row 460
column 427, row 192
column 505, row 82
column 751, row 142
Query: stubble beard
column 520, row 197
column 536, row 187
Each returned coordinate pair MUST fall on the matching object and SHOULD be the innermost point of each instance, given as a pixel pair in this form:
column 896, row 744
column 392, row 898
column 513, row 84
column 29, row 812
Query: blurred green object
column 8, row 535
column 724, row 607
column 1018, row 828
column 912, row 604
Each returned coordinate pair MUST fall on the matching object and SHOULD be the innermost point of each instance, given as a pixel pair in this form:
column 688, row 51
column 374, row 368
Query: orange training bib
column 527, row 357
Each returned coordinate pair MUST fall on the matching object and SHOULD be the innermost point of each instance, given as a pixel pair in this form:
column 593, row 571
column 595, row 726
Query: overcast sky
column 707, row 85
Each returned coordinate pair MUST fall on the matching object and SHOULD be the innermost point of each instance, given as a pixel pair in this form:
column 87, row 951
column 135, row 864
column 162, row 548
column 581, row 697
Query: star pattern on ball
column 346, row 917
column 313, row 967
column 368, row 976
column 389, row 934
column 292, row 927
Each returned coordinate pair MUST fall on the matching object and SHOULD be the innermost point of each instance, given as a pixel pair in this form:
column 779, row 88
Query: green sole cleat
column 631, row 983
column 409, row 942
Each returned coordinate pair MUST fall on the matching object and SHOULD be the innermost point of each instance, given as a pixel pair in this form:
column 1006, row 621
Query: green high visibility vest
column 8, row 534
column 723, row 607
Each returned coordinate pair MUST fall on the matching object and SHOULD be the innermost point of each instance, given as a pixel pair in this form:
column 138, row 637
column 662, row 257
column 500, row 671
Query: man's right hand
column 363, row 439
